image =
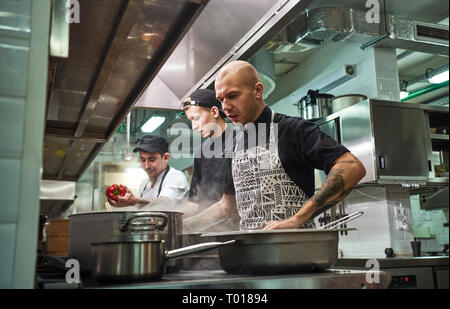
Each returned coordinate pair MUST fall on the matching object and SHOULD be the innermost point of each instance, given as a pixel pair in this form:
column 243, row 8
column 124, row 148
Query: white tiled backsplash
column 386, row 222
column 430, row 224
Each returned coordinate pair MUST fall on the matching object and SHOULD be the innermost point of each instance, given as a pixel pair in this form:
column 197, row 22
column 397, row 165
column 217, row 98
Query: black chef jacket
column 302, row 147
column 208, row 178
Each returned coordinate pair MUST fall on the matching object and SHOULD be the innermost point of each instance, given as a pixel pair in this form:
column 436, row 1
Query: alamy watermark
column 73, row 274
column 373, row 274
column 73, row 13
column 252, row 135
column 373, row 14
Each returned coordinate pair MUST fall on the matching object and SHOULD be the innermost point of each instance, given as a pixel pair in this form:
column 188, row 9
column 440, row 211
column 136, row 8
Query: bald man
column 271, row 185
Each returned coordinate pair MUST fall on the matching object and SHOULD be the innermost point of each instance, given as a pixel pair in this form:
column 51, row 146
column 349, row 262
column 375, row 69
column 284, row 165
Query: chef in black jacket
column 213, row 158
column 270, row 185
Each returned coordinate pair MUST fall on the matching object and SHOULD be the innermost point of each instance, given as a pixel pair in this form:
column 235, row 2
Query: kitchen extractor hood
column 57, row 190
column 225, row 31
column 56, row 196
column 115, row 51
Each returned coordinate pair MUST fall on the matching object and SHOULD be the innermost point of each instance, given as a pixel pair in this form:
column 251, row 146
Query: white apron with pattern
column 264, row 191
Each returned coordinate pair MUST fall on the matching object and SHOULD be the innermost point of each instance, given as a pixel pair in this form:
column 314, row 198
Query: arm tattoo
column 333, row 184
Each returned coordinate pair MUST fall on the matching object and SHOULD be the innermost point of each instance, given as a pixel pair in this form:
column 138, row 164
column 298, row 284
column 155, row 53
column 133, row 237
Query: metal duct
column 346, row 24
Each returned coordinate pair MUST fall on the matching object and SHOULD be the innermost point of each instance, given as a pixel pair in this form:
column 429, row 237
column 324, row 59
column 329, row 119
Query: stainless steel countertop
column 218, row 279
column 385, row 263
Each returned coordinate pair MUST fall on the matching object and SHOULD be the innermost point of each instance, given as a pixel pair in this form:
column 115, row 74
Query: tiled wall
column 379, row 228
column 24, row 30
column 430, row 223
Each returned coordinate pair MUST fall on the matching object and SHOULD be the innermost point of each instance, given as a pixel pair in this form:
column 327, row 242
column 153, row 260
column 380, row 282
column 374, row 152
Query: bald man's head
column 242, row 71
column 240, row 90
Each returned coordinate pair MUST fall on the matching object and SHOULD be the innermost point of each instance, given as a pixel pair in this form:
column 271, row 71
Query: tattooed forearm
column 333, row 185
column 345, row 173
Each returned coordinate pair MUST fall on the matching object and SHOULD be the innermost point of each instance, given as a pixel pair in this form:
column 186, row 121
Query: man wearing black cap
column 210, row 162
column 163, row 180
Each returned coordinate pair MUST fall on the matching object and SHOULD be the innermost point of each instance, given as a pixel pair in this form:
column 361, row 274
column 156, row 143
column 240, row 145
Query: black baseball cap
column 152, row 143
column 205, row 98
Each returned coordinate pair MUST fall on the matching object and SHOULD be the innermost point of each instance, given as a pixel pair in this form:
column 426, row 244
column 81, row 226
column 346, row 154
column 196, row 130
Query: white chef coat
column 175, row 186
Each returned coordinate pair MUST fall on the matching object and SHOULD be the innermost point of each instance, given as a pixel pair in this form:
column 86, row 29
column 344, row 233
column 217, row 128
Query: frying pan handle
column 196, row 248
column 126, row 226
column 342, row 220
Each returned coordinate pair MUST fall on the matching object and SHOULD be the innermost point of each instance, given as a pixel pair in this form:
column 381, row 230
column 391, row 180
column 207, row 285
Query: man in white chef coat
column 164, row 186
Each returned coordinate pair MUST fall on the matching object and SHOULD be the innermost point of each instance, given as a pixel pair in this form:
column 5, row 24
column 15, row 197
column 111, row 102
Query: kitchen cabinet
column 393, row 140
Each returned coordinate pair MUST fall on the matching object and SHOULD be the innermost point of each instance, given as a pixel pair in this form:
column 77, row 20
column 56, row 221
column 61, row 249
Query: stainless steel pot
column 261, row 252
column 315, row 105
column 344, row 101
column 137, row 260
column 98, row 227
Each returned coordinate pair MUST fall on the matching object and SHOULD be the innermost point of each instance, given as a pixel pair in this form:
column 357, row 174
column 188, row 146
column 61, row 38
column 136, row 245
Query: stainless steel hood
column 56, row 197
column 114, row 53
column 226, row 30
column 57, row 190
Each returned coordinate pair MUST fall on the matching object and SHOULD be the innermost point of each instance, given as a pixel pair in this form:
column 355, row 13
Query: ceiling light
column 403, row 94
column 152, row 124
column 439, row 78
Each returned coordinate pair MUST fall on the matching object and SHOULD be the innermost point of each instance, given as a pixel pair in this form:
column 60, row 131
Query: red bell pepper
column 113, row 191
column 122, row 190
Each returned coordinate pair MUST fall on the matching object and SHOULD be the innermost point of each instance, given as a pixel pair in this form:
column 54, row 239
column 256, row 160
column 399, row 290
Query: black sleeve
column 318, row 147
column 229, row 183
column 195, row 181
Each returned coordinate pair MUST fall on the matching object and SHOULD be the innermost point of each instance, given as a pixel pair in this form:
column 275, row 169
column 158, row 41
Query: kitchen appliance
column 380, row 132
column 137, row 260
column 315, row 105
column 96, row 227
column 262, row 252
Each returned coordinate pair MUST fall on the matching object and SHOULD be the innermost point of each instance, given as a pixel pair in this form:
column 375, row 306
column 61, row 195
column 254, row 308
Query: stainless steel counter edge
column 425, row 261
column 218, row 279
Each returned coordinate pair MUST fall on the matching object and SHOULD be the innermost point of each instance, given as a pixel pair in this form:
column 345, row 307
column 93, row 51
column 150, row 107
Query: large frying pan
column 262, row 252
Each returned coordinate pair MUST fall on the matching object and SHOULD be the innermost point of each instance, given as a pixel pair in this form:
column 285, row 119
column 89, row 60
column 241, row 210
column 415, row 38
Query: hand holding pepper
column 121, row 196
column 114, row 191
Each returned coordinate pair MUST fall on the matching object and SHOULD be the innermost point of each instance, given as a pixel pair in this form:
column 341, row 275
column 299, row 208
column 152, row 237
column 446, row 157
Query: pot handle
column 342, row 220
column 196, row 248
column 126, row 226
